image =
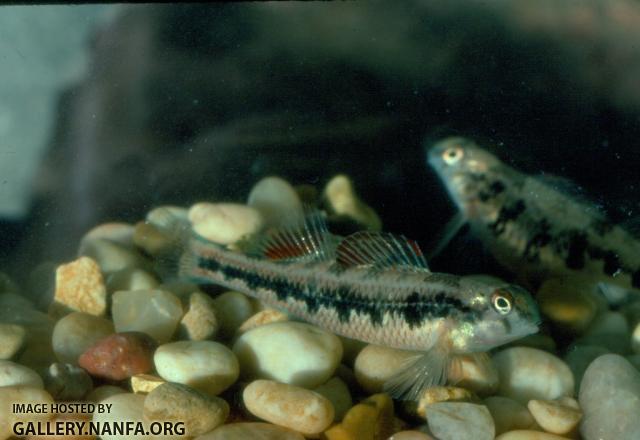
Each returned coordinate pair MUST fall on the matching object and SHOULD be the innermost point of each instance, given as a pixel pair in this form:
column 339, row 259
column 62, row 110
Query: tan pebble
column 555, row 417
column 371, row 419
column 234, row 308
column 343, row 201
column 527, row 373
column 172, row 402
column 76, row 332
column 224, row 223
column 338, row 394
column 103, row 392
column 164, row 215
column 351, row 347
column 12, row 338
column 635, row 339
column 568, row 303
column 508, row 414
column 27, row 395
column 120, row 233
column 145, row 383
column 442, row 394
column 201, row 321
column 131, row 279
column 253, row 431
column 375, row 364
column 474, row 372
column 152, row 239
column 529, row 435
column 293, row 407
column 80, row 287
column 261, row 318
column 154, row 312
column 411, row 435
column 459, row 420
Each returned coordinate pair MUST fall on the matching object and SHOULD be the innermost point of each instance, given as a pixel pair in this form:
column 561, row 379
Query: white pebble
column 125, row 408
column 76, row 332
column 204, row 365
column 509, row 415
column 375, row 364
column 528, row 373
column 172, row 402
column 277, row 201
column 233, row 308
column 529, row 435
column 131, row 279
column 12, row 338
column 120, row 233
column 154, row 312
column 224, row 223
column 290, row 352
column 12, row 374
column 460, row 420
column 610, row 399
column 554, row 416
column 343, row 201
column 286, row 405
column 112, row 257
column 474, row 372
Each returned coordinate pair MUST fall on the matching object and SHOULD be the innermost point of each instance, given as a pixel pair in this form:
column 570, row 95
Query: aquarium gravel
column 141, row 346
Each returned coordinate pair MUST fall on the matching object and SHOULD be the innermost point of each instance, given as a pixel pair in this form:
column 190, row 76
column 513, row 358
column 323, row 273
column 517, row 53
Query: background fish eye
column 452, row 155
column 502, row 302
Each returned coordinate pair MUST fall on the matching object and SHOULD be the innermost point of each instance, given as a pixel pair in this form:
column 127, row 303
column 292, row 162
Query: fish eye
column 452, row 155
column 502, row 301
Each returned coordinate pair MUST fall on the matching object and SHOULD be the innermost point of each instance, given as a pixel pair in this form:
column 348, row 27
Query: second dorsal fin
column 380, row 250
column 304, row 240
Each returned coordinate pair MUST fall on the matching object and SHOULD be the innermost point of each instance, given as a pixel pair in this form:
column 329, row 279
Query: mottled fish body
column 529, row 225
column 373, row 287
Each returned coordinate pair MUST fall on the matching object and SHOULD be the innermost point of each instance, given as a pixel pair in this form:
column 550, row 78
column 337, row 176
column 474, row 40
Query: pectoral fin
column 423, row 371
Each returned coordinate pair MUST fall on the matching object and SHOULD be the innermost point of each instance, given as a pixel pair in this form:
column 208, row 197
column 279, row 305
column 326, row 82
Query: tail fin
column 177, row 232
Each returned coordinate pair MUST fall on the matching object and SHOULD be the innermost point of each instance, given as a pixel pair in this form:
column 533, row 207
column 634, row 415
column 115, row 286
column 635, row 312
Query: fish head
column 470, row 173
column 502, row 313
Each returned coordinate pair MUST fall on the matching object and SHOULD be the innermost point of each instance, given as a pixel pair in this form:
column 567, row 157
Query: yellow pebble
column 371, row 419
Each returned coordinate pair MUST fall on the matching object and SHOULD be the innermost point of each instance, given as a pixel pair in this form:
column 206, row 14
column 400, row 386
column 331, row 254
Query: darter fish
column 374, row 287
column 531, row 226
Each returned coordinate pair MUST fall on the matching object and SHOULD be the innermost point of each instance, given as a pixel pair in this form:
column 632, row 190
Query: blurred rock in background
column 194, row 102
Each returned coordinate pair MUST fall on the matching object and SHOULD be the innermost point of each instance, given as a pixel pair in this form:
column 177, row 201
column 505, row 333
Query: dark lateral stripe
column 415, row 310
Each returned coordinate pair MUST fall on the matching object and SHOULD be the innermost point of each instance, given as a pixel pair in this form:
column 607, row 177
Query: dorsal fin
column 301, row 240
column 380, row 250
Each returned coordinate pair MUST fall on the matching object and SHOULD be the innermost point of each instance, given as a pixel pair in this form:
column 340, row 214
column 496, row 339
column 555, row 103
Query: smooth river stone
column 375, row 364
column 441, row 394
column 370, row 419
column 475, row 373
column 80, row 287
column 113, row 257
column 508, row 415
column 67, row 382
column 125, row 408
column 635, row 339
column 145, row 383
column 411, row 435
column 555, row 416
column 295, row 353
column 120, row 233
column 338, row 394
column 154, row 312
column 12, row 374
column 12, row 338
column 131, row 279
column 119, row 356
column 610, row 399
column 343, row 201
column 173, row 402
column 21, row 394
column 76, row 332
column 609, row 330
column 253, row 431
column 528, row 373
column 277, row 201
column 263, row 317
column 224, row 223
column 103, row 392
column 233, row 308
column 459, row 420
column 525, row 434
column 204, row 365
column 578, row 358
column 290, row 406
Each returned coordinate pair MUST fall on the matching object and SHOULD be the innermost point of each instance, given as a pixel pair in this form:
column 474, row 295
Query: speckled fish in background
column 374, row 287
column 530, row 226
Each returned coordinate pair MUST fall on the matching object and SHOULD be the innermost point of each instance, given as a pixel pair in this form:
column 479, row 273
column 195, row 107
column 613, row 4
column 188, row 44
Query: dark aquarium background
column 173, row 104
